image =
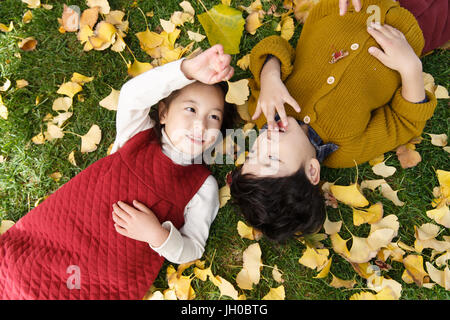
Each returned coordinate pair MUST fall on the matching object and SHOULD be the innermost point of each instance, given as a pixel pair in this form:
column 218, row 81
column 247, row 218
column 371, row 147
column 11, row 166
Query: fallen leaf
column 332, row 227
column 103, row 5
column 197, row 37
column 275, row 294
column 69, row 89
column 111, row 101
column 385, row 294
column 91, row 139
column 62, row 104
column 349, row 195
column 407, row 156
column 224, row 195
column 340, row 283
column 137, row 67
column 379, row 283
column 383, row 170
column 4, row 28
column 28, row 44
column 5, row 225
column 80, row 79
column 442, row 278
column 439, row 140
column 370, row 215
column 238, row 92
column 277, row 275
column 314, row 258
column 253, row 22
column 414, row 268
column 250, row 272
column 440, row 215
column 70, row 19
column 248, row 232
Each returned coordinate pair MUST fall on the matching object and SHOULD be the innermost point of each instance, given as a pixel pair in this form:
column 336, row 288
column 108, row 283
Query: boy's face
column 279, row 154
column 194, row 118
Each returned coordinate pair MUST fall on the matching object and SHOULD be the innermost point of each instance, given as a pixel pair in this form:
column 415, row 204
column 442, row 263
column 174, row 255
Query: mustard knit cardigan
column 356, row 102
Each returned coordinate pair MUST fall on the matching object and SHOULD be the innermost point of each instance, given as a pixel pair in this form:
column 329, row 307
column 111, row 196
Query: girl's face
column 194, row 118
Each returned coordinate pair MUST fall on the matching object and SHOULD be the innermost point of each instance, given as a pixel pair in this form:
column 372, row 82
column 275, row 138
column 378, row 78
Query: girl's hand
column 211, row 66
column 138, row 223
column 343, row 4
column 273, row 96
column 397, row 54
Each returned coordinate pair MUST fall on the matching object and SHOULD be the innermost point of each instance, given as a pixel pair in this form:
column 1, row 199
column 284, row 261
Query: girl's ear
column 162, row 112
column 312, row 171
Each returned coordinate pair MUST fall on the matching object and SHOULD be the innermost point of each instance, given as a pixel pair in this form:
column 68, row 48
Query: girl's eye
column 190, row 109
column 215, row 117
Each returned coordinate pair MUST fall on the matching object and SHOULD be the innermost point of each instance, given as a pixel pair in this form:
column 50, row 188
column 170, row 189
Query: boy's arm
column 139, row 94
column 188, row 243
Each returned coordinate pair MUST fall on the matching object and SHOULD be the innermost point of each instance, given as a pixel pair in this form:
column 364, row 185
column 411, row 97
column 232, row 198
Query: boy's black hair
column 230, row 114
column 279, row 207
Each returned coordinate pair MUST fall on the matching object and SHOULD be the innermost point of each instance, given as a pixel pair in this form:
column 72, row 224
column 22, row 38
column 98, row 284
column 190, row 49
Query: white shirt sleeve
column 139, row 94
column 188, row 243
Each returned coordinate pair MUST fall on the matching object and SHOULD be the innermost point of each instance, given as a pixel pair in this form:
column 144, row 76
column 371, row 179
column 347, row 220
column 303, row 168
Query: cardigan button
column 330, row 80
column 354, row 46
column 306, row 119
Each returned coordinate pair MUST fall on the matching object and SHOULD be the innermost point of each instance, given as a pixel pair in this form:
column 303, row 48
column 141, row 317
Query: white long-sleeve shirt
column 136, row 98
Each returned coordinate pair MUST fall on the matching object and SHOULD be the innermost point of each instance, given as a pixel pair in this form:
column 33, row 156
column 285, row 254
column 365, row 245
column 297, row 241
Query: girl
column 361, row 94
column 105, row 233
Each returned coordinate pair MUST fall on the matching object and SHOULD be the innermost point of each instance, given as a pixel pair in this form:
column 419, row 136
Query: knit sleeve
column 389, row 127
column 276, row 46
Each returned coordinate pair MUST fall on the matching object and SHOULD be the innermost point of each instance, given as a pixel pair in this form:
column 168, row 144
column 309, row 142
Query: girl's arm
column 188, row 243
column 139, row 94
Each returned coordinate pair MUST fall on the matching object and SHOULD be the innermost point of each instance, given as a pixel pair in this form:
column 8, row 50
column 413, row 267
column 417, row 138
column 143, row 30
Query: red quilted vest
column 67, row 247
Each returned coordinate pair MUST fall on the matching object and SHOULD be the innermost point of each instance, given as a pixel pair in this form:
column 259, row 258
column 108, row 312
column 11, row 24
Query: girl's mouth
column 195, row 140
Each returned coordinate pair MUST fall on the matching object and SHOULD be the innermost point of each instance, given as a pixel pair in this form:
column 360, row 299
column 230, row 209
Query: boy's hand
column 343, row 4
column 138, row 223
column 211, row 66
column 397, row 54
column 273, row 96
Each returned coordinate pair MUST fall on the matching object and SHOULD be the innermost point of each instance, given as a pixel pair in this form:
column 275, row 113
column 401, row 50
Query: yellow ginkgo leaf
column 91, row 139
column 378, row 283
column 414, row 268
column 5, row 225
column 21, row 83
column 4, row 28
column 247, row 232
column 80, row 79
column 6, row 85
column 27, row 16
column 111, row 101
column 250, row 273
column 28, row 44
column 442, row 278
column 61, row 118
column 224, row 195
column 137, row 67
column 371, row 215
column 441, row 92
column 167, row 25
column 287, row 27
column 339, row 245
column 226, row 288
column 349, row 195
column 197, row 37
column 439, row 140
column 38, row 139
column 56, row 176
column 53, row 132
column 252, row 22
column 332, row 227
column 277, row 275
column 325, row 270
column 275, row 294
column 62, row 104
column 383, row 170
column 440, row 215
column 427, row 231
column 244, row 62
column 71, row 158
column 104, row 35
column 238, row 92
column 32, row 4
column 102, row 4
column 314, row 258
column 385, row 294
column 408, row 156
column 340, row 283
column 3, row 109
column 69, row 89
column 360, row 251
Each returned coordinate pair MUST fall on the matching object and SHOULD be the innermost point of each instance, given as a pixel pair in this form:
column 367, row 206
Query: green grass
column 24, row 176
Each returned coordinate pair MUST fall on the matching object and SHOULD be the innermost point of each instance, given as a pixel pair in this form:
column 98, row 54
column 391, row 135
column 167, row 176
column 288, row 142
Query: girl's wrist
column 185, row 65
column 414, row 69
column 159, row 236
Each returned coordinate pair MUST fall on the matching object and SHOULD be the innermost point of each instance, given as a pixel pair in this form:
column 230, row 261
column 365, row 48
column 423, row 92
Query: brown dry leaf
column 238, row 92
column 28, row 44
column 414, row 269
column 111, row 101
column 275, row 294
column 371, row 215
column 91, row 139
column 340, row 283
column 250, row 273
column 439, row 140
column 349, row 195
column 408, row 156
column 89, row 17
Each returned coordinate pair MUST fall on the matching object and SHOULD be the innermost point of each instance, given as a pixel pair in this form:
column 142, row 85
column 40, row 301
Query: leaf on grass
column 62, row 104
column 439, row 140
column 383, row 170
column 111, row 101
column 5, row 225
column 250, row 272
column 248, row 232
column 223, row 25
column 371, row 215
column 91, row 139
column 224, row 195
column 275, row 294
column 340, row 283
column 332, row 227
column 28, row 44
column 349, row 195
column 414, row 269
column 440, row 215
column 314, row 258
column 408, row 156
column 69, row 89
column 442, row 278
